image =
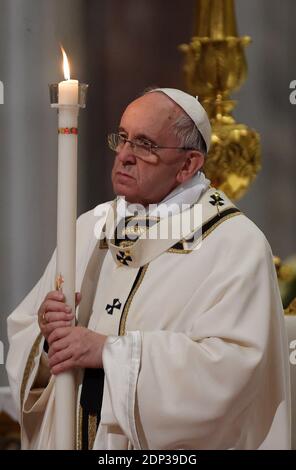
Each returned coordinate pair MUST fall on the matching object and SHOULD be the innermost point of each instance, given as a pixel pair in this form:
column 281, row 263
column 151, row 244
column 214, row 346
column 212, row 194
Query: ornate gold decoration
column 284, row 271
column 59, row 282
column 126, row 243
column 79, row 429
column 214, row 67
column 92, row 430
column 291, row 309
column 134, row 230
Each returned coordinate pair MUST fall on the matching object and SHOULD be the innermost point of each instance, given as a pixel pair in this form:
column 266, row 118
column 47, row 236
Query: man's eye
column 122, row 137
column 144, row 143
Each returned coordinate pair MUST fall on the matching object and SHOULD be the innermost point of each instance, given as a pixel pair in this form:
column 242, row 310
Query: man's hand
column 73, row 347
column 55, row 313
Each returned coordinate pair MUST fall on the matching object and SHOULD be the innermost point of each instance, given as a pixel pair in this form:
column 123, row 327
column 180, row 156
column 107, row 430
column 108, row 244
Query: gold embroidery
column 129, row 301
column 29, row 367
column 125, row 243
column 134, row 231
column 142, row 218
column 92, row 430
column 79, row 429
column 179, row 251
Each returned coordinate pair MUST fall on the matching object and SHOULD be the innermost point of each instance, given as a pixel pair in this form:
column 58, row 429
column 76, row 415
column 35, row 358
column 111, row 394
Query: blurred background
column 120, row 48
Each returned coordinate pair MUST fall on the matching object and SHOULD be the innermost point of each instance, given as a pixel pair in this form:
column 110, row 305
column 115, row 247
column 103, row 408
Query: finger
column 57, row 346
column 59, row 333
column 59, row 357
column 54, row 306
column 63, row 367
column 50, row 317
column 50, row 327
column 53, row 302
column 55, row 295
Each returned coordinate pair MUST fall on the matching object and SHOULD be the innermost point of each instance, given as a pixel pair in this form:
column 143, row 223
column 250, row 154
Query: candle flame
column 65, row 64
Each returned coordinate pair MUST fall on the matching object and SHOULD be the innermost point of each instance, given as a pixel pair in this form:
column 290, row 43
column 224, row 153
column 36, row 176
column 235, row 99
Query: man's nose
column 126, row 155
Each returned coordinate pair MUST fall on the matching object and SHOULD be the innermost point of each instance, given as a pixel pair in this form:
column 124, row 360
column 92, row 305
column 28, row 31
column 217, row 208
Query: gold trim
column 125, row 244
column 92, row 430
column 291, row 309
column 179, row 251
column 210, row 230
column 79, row 430
column 204, row 234
column 144, row 217
column 137, row 231
column 29, row 367
column 129, row 301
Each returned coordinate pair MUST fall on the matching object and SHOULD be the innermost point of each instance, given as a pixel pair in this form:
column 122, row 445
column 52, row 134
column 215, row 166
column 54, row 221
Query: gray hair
column 185, row 130
column 188, row 134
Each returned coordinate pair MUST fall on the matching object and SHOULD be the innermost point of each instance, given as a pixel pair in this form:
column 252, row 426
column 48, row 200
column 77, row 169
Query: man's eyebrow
column 139, row 136
column 145, row 137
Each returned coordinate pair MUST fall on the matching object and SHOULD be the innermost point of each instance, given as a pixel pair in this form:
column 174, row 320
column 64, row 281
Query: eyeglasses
column 141, row 148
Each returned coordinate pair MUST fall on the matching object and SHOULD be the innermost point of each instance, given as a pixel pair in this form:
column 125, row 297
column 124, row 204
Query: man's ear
column 194, row 162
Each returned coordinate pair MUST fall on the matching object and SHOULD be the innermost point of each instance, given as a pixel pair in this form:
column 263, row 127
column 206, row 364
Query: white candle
column 65, row 400
column 68, row 92
column 68, row 89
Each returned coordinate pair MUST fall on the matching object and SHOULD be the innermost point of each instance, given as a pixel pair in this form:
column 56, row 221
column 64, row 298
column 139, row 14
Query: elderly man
column 180, row 338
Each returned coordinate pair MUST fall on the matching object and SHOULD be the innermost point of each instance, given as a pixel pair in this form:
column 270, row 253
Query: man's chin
column 126, row 192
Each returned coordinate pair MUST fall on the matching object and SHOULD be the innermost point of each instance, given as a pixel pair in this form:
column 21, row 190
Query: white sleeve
column 25, row 339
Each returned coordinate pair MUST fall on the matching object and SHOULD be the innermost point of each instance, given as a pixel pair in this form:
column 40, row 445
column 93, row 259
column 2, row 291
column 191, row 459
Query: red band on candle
column 68, row 130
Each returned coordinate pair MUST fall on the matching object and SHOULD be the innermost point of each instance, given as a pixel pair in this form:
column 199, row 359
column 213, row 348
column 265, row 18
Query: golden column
column 214, row 67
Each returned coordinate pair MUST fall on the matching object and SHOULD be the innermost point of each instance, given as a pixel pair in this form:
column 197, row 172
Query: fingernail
column 68, row 309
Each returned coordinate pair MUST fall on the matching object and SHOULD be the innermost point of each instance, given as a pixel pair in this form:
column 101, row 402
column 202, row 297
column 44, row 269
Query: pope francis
column 179, row 340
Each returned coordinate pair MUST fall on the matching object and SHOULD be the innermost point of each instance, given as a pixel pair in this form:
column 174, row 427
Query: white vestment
column 197, row 356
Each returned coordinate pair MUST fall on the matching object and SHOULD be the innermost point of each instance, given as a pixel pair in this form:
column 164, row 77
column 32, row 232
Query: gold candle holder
column 214, row 67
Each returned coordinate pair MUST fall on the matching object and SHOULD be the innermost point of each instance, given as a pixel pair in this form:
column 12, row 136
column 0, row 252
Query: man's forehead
column 152, row 108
